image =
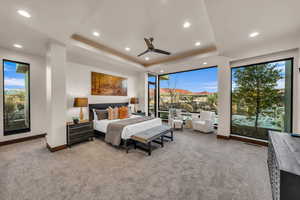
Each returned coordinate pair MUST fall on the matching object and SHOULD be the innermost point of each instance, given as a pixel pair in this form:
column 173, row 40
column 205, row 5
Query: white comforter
column 128, row 131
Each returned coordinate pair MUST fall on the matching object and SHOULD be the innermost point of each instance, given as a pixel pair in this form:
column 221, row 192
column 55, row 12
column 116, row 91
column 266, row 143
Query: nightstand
column 83, row 131
column 141, row 114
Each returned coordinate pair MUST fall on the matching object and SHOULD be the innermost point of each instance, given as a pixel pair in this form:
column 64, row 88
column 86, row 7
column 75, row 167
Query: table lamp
column 81, row 102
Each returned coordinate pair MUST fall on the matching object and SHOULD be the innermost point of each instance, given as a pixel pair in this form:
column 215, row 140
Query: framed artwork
column 108, row 85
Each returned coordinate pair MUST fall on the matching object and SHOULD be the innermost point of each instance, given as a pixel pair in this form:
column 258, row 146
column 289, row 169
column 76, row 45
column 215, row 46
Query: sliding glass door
column 261, row 98
column 16, row 97
column 151, row 95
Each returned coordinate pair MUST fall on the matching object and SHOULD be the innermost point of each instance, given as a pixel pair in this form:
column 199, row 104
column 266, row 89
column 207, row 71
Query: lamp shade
column 134, row 100
column 80, row 102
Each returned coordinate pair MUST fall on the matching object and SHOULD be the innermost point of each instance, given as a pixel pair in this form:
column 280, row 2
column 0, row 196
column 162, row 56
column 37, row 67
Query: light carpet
column 194, row 166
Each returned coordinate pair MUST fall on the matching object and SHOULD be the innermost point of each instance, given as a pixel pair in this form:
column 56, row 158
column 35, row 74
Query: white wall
column 79, row 85
column 37, row 93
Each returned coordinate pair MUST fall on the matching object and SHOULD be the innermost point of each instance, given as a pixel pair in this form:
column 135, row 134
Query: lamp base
column 81, row 116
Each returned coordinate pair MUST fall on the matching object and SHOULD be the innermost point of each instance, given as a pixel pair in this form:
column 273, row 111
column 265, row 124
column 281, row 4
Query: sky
column 13, row 80
column 194, row 81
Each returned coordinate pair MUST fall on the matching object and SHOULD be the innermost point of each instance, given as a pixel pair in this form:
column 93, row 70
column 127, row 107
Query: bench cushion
column 151, row 134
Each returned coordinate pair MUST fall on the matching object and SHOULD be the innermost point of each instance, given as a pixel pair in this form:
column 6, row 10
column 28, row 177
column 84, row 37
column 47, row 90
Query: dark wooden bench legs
column 149, row 148
column 148, row 144
column 171, row 136
column 160, row 141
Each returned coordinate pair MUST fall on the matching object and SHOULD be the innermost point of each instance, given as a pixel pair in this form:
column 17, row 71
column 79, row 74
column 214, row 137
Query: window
column 151, row 95
column 191, row 91
column 261, row 98
column 16, row 97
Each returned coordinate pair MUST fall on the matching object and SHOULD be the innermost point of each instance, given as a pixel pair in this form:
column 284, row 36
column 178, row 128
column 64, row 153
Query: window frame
column 24, row 130
column 155, row 93
column 292, row 92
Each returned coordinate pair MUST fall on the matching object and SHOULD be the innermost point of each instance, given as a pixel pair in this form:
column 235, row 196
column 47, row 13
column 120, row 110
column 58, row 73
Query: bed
column 100, row 126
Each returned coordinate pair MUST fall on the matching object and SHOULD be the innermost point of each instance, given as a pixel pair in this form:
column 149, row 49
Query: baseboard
column 58, row 148
column 22, row 139
column 223, row 137
column 249, row 140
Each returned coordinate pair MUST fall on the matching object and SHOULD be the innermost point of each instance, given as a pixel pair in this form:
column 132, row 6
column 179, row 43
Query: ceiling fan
column 152, row 49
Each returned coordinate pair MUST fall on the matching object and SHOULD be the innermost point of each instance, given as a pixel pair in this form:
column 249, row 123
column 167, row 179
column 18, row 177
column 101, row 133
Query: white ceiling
column 233, row 20
column 121, row 24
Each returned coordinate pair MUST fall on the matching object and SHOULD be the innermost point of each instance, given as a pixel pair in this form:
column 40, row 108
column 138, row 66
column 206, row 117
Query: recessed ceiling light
column 161, row 71
column 147, row 58
column 127, row 48
column 96, row 34
column 197, row 44
column 24, row 13
column 186, row 24
column 254, row 34
column 205, row 63
column 18, row 46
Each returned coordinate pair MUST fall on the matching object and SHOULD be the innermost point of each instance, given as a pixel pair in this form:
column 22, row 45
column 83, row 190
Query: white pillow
column 95, row 115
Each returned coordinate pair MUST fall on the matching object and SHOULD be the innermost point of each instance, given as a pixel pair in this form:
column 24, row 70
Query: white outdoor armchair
column 175, row 119
column 205, row 123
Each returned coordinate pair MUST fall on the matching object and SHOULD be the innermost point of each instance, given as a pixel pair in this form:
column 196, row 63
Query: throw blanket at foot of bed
column 114, row 129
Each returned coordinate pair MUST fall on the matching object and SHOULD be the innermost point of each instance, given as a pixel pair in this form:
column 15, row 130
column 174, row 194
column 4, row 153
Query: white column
column 143, row 92
column 296, row 93
column 224, row 90
column 56, row 95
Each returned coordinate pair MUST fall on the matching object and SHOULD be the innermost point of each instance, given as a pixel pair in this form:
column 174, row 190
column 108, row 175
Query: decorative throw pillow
column 116, row 113
column 102, row 114
column 110, row 111
column 123, row 112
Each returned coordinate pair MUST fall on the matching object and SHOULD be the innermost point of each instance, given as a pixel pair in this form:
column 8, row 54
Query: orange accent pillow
column 123, row 112
column 116, row 113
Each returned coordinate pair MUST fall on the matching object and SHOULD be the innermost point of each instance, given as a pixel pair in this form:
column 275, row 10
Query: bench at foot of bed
column 156, row 135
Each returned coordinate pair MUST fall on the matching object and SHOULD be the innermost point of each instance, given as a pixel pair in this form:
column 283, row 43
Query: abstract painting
column 108, row 85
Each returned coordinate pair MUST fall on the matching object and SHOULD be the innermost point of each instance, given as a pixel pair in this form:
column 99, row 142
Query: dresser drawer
column 88, row 133
column 79, row 128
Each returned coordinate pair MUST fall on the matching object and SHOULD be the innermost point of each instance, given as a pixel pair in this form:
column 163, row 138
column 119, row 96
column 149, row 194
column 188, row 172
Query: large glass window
column 151, row 95
column 16, row 104
column 190, row 91
column 262, row 98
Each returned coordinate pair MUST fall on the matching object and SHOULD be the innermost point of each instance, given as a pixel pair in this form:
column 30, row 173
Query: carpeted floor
column 194, row 166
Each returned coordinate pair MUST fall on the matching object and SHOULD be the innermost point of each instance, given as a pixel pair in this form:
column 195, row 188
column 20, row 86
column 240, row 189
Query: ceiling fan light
column 197, row 44
column 186, row 24
column 95, row 33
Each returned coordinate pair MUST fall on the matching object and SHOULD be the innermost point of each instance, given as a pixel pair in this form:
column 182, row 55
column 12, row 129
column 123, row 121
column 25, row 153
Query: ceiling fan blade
column 161, row 51
column 144, row 52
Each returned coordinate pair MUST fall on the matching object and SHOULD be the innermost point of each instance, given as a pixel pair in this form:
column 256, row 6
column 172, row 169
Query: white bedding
column 128, row 131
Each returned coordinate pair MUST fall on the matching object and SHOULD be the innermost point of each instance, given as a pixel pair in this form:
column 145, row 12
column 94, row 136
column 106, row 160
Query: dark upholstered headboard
column 103, row 106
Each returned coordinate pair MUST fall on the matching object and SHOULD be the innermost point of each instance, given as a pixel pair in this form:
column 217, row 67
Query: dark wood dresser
column 83, row 131
column 284, row 166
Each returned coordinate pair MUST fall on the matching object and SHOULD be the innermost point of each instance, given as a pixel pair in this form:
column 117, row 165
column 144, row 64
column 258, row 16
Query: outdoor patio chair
column 205, row 123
